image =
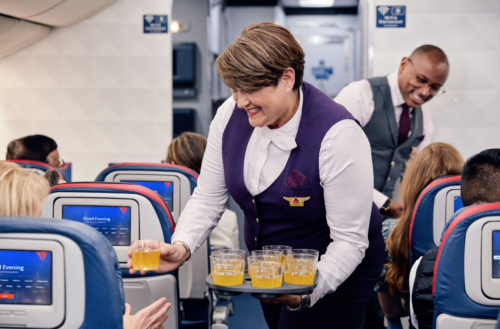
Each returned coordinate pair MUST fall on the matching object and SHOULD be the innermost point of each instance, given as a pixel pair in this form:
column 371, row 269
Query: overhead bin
column 53, row 12
column 16, row 34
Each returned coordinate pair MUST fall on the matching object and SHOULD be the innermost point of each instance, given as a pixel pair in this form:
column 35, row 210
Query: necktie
column 404, row 125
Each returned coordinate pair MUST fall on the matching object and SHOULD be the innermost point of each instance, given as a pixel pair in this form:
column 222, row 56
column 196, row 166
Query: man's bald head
column 422, row 75
column 432, row 52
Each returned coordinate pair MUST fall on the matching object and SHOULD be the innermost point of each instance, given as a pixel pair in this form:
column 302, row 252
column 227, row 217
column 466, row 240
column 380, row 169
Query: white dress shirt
column 346, row 175
column 357, row 98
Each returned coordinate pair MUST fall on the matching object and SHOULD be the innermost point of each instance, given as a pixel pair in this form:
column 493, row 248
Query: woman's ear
column 172, row 162
column 288, row 78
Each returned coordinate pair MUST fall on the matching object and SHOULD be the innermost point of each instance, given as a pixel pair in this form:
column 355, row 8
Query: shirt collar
column 284, row 137
column 397, row 97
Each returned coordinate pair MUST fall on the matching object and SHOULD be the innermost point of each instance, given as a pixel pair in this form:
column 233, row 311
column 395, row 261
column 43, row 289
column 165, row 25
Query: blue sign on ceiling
column 391, row 16
column 155, row 23
column 322, row 72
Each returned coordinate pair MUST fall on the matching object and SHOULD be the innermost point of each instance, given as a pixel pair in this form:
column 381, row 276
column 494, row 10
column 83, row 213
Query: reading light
column 316, row 3
column 175, row 26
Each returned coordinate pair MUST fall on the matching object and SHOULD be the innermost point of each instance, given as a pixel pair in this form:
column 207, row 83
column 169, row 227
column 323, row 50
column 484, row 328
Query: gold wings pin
column 296, row 202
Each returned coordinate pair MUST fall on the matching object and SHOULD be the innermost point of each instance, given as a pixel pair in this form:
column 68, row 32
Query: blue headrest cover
column 190, row 174
column 41, row 166
column 166, row 226
column 104, row 299
column 422, row 238
column 450, row 296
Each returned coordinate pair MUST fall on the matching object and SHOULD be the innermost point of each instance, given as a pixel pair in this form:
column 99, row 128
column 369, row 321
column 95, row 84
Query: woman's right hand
column 150, row 317
column 172, row 256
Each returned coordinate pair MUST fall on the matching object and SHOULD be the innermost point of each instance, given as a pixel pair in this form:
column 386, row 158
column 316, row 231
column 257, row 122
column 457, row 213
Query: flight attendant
column 389, row 109
column 276, row 139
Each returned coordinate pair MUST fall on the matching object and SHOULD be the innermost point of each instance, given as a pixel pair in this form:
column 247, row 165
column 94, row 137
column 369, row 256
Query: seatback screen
column 496, row 254
column 164, row 189
column 112, row 222
column 25, row 277
column 457, row 204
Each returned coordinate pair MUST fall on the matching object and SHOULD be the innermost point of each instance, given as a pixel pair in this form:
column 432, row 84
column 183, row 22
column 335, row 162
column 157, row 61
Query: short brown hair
column 258, row 58
column 187, row 150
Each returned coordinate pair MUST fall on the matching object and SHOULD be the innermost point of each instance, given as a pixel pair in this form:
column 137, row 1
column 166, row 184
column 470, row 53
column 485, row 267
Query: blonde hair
column 434, row 161
column 259, row 56
column 22, row 193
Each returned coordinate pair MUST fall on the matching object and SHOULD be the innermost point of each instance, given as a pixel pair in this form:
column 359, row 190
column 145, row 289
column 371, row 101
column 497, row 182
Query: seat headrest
column 161, row 209
column 448, row 287
column 29, row 164
column 104, row 298
column 421, row 235
column 166, row 167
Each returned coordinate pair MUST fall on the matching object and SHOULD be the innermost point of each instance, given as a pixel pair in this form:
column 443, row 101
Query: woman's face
column 270, row 106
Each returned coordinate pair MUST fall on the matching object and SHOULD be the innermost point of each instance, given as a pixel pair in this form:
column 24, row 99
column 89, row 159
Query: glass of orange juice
column 260, row 258
column 285, row 249
column 241, row 253
column 306, row 251
column 146, row 255
column 227, row 270
column 267, row 274
column 300, row 269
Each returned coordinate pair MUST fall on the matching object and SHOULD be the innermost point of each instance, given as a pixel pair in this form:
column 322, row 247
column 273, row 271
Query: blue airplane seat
column 466, row 282
column 430, row 215
column 149, row 218
column 97, row 301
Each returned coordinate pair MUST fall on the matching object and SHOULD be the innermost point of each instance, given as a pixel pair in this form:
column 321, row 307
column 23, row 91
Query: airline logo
column 167, row 183
column 124, row 209
column 42, row 255
column 296, row 202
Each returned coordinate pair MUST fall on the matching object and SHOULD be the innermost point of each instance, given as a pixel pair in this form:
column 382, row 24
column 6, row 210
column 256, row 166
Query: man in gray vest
column 389, row 109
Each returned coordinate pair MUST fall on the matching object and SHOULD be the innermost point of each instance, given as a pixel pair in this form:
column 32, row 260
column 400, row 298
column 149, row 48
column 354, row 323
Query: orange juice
column 262, row 282
column 228, row 279
column 146, row 259
column 294, row 278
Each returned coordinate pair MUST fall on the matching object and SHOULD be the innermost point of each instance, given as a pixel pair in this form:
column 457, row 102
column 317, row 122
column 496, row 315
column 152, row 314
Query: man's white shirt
column 357, row 98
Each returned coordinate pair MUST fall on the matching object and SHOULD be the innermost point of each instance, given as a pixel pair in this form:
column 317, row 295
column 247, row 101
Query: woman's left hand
column 284, row 299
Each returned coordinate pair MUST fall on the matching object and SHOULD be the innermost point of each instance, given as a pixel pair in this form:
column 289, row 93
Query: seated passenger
column 53, row 177
column 36, row 148
column 434, row 161
column 23, row 193
column 480, row 183
column 187, row 150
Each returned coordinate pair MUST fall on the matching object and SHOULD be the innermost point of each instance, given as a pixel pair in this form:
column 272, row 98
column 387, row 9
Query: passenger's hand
column 150, row 317
column 284, row 299
column 171, row 257
column 396, row 209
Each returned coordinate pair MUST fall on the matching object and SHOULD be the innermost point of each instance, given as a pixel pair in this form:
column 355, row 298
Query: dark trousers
column 345, row 307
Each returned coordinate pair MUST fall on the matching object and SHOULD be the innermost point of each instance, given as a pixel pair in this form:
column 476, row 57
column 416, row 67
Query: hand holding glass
column 146, row 255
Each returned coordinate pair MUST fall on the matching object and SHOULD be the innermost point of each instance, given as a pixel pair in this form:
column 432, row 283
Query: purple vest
column 269, row 219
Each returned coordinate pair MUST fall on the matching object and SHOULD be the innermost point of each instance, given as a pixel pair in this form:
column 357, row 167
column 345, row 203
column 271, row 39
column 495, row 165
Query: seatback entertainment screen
column 164, row 189
column 25, row 277
column 457, row 204
column 496, row 254
column 112, row 222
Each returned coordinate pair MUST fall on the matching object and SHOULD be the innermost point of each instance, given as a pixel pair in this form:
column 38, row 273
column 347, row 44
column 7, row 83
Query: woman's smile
column 253, row 111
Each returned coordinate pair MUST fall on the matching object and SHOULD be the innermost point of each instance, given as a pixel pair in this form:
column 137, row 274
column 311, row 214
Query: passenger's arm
column 391, row 306
column 150, row 317
column 347, row 177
